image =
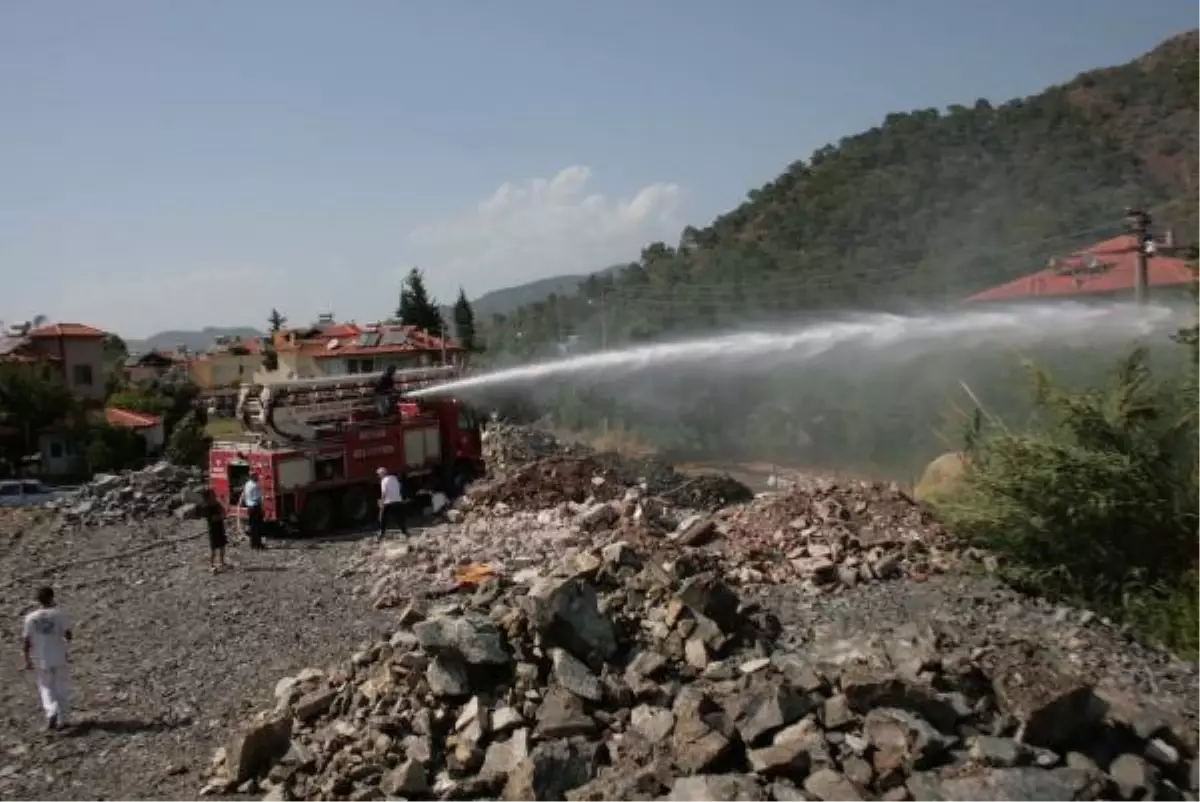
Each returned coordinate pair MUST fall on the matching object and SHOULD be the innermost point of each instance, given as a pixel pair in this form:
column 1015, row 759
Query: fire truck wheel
column 356, row 506
column 317, row 516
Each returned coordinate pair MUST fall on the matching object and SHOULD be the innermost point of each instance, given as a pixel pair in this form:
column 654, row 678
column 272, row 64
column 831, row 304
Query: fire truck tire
column 355, row 507
column 317, row 516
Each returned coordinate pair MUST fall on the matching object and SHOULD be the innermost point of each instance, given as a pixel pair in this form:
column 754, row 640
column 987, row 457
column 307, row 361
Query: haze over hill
column 191, row 340
column 497, row 302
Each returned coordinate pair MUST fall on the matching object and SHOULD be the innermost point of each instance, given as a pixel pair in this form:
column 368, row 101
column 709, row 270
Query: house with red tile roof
column 1103, row 270
column 70, row 353
column 150, row 427
column 79, row 350
column 338, row 349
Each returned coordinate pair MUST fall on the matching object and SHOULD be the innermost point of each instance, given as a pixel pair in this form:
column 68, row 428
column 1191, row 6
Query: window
column 56, row 450
column 466, row 421
column 10, row 489
column 82, row 374
column 328, row 469
column 34, row 489
column 360, row 365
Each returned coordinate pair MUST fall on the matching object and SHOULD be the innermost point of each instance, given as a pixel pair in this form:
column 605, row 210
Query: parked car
column 26, row 493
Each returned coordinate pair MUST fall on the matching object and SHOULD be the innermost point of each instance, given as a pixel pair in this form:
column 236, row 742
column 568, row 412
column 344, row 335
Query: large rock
column 551, row 770
column 256, row 748
column 566, row 611
column 717, row 788
column 1050, row 701
column 473, row 638
column 986, row 785
column 765, row 708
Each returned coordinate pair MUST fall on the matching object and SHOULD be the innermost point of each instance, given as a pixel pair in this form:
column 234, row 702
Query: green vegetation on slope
column 925, row 209
column 1097, row 502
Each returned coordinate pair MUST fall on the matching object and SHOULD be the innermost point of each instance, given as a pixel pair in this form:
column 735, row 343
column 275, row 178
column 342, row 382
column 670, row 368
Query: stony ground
column 171, row 662
column 167, row 656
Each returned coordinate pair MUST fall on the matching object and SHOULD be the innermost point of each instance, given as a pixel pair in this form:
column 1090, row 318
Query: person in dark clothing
column 385, row 390
column 214, row 515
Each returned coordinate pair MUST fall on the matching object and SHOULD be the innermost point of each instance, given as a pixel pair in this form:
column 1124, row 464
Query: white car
column 26, row 493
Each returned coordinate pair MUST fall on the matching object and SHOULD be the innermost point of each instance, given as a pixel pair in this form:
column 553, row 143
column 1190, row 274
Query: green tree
column 276, row 321
column 416, row 307
column 113, row 449
column 189, row 443
column 29, row 404
column 464, row 323
column 115, row 354
column 170, row 397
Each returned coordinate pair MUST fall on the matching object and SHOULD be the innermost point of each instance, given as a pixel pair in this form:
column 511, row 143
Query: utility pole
column 1138, row 223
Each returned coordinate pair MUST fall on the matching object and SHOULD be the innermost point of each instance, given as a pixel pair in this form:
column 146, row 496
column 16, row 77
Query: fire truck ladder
column 300, row 409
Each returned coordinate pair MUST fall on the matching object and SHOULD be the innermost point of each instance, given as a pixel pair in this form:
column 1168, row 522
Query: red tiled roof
column 66, row 330
column 126, row 419
column 340, row 330
column 347, row 335
column 1117, row 258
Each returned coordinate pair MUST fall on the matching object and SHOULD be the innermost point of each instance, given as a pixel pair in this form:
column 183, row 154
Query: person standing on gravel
column 391, row 502
column 252, row 501
column 214, row 516
column 47, row 632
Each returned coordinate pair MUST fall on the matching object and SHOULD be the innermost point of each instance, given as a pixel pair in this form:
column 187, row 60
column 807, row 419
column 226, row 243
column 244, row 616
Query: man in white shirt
column 391, row 502
column 47, row 632
column 252, row 501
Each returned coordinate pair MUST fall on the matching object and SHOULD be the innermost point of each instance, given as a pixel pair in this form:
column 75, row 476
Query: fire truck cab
column 316, row 445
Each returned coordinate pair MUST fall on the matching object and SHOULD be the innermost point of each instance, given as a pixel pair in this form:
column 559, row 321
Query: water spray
column 851, row 336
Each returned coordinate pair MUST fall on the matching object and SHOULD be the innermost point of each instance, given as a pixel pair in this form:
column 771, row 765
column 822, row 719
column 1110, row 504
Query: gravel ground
column 975, row 612
column 167, row 656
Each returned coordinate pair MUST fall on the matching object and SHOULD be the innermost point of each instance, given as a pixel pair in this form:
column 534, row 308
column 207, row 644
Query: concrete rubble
column 616, row 675
column 157, row 491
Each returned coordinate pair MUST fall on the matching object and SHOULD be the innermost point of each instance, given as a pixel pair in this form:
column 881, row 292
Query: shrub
column 1097, row 502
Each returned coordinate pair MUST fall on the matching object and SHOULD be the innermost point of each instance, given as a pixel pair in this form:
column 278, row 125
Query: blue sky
column 176, row 164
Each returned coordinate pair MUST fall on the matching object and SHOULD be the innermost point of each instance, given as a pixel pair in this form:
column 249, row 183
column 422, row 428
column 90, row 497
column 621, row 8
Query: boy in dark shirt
column 214, row 515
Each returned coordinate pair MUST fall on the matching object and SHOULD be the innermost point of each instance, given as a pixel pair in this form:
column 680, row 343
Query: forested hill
column 930, row 205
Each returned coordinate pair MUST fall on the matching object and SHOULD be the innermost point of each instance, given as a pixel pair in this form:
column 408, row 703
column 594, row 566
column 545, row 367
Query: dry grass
column 224, row 429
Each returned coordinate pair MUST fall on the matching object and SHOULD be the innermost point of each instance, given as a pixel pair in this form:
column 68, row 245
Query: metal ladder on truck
column 304, row 410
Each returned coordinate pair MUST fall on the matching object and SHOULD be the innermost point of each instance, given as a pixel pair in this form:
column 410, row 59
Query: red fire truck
column 316, row 444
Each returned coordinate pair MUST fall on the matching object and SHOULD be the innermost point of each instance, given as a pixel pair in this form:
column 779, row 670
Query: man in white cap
column 391, row 502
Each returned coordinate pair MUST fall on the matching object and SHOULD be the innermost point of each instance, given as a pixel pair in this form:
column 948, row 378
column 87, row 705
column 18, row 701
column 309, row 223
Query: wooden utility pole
column 1139, row 223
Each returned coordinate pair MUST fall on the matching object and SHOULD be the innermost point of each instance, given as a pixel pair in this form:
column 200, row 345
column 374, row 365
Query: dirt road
column 167, row 656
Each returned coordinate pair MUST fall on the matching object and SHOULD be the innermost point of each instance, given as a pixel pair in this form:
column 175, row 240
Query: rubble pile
column 507, row 446
column 617, row 677
column 837, row 534
column 825, row 535
column 532, row 468
column 161, row 489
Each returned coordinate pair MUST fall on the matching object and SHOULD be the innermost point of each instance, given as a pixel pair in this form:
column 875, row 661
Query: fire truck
column 315, row 446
